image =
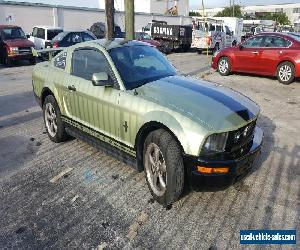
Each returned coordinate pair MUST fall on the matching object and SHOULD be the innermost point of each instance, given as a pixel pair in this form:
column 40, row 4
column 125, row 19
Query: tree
column 280, row 17
column 194, row 13
column 228, row 11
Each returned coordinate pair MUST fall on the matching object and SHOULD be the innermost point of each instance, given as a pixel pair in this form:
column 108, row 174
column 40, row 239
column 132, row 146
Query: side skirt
column 101, row 145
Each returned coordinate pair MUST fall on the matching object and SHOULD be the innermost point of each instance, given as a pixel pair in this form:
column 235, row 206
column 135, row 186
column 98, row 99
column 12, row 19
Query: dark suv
column 14, row 45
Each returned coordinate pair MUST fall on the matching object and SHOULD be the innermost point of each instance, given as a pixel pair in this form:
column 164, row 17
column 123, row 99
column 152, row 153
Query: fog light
column 207, row 170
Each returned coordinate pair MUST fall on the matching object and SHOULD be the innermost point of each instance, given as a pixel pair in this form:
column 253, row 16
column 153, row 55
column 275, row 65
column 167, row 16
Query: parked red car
column 273, row 54
column 14, row 45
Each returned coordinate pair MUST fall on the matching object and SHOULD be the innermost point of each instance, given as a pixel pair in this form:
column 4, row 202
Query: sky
column 194, row 4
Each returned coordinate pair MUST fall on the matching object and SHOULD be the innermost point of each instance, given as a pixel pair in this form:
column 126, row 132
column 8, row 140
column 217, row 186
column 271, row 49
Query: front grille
column 240, row 138
column 239, row 143
column 24, row 50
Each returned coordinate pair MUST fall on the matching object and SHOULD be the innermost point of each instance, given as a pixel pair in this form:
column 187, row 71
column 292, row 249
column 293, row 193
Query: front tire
column 32, row 61
column 7, row 61
column 163, row 166
column 52, row 119
column 224, row 66
column 286, row 73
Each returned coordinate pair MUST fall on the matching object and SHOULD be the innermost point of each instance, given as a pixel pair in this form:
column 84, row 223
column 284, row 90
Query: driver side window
column 254, row 42
column 86, row 62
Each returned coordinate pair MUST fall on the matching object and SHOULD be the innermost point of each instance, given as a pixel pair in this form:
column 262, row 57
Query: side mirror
column 101, row 79
column 143, row 29
column 28, row 35
column 232, row 33
column 241, row 47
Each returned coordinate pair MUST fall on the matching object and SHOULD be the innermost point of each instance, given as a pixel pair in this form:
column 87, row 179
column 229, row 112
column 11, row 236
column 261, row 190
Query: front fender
column 189, row 134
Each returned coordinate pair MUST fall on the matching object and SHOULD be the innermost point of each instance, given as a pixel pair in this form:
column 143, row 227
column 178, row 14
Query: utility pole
column 233, row 8
column 110, row 22
column 129, row 19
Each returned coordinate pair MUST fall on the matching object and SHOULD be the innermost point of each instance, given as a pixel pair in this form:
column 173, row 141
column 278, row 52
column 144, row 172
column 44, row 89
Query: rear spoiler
column 46, row 54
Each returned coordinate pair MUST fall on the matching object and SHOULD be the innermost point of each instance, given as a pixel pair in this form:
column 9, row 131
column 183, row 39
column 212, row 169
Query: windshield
column 52, row 33
column 295, row 36
column 12, row 33
column 60, row 36
column 138, row 65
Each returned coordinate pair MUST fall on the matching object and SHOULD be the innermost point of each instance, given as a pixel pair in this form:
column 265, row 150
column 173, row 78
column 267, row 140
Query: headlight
column 215, row 143
column 13, row 50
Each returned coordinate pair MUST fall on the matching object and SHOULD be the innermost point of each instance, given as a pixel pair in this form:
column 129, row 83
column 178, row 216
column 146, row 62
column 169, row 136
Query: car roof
column 2, row 26
column 48, row 27
column 118, row 42
column 285, row 35
column 109, row 44
column 76, row 30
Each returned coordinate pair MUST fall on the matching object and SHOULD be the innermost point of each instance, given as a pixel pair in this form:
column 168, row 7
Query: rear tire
column 285, row 73
column 163, row 166
column 224, row 66
column 52, row 119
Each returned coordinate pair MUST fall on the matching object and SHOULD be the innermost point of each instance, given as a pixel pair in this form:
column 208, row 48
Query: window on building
column 279, row 10
column 296, row 10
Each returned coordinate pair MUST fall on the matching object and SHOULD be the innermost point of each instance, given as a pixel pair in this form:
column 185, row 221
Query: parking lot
column 72, row 195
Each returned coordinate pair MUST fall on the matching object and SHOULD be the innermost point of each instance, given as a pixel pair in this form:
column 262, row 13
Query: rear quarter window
column 60, row 61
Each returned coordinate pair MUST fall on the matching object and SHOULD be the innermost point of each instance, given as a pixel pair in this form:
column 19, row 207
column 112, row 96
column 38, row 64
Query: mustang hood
column 215, row 107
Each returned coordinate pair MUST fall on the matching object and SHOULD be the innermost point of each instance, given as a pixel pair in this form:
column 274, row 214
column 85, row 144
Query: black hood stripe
column 216, row 95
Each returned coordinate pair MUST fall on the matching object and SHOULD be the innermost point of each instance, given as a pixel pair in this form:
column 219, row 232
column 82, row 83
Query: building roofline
column 3, row 2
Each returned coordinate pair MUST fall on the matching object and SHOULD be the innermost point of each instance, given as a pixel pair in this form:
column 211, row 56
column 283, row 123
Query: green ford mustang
column 126, row 98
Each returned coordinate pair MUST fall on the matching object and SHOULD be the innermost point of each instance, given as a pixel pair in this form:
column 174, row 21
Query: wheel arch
column 45, row 92
column 283, row 61
column 142, row 134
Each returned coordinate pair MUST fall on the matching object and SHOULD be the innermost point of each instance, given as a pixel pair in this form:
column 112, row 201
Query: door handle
column 72, row 87
column 255, row 52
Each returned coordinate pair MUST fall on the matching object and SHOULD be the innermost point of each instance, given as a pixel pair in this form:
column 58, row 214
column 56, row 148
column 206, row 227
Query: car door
column 228, row 37
column 71, row 39
column 247, row 57
column 95, row 107
column 39, row 37
column 274, row 47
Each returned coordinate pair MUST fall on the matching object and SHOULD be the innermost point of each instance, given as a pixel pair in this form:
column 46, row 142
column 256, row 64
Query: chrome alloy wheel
column 285, row 73
column 50, row 119
column 156, row 170
column 223, row 66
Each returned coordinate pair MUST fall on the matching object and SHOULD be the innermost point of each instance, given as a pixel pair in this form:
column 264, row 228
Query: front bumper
column 214, row 62
column 238, row 168
column 16, row 57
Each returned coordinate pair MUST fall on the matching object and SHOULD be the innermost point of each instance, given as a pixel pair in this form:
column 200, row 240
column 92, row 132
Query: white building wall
column 28, row 16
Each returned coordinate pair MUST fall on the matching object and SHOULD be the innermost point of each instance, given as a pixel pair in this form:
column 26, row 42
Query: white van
column 41, row 36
